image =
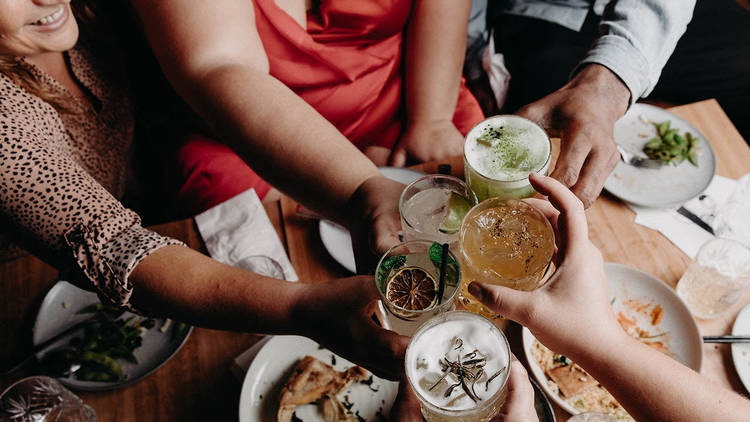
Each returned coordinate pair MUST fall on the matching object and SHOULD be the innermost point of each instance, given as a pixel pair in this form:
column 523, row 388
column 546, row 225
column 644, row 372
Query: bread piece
column 312, row 380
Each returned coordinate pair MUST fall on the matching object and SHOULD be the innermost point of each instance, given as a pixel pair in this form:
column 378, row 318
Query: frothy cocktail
column 501, row 152
column 457, row 363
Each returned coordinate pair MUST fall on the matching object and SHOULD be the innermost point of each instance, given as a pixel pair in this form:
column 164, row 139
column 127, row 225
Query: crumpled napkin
column 721, row 206
column 238, row 232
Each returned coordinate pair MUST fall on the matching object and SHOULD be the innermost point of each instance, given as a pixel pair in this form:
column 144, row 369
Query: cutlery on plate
column 637, row 160
column 44, row 345
column 726, row 339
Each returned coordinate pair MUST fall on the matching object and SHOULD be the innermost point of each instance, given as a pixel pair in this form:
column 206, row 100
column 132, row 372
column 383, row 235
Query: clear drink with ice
column 432, row 208
column 501, row 152
column 457, row 364
column 716, row 278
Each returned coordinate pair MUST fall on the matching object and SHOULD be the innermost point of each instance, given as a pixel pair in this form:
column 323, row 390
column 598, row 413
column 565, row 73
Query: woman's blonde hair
column 24, row 77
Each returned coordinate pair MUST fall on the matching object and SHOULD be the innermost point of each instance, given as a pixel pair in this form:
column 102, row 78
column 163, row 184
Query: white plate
column 259, row 400
column 668, row 185
column 741, row 351
column 336, row 239
column 683, row 340
column 59, row 311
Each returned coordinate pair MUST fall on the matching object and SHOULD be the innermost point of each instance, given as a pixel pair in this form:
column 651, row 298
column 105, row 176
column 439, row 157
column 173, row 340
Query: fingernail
column 476, row 290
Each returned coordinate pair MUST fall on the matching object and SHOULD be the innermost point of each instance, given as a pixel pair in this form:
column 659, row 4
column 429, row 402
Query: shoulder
column 24, row 113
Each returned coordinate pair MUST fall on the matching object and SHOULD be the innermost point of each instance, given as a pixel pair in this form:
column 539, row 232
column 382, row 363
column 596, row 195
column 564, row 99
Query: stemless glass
column 501, row 168
column 415, row 266
column 506, row 242
column 432, row 208
column 42, row 399
column 716, row 278
column 453, row 349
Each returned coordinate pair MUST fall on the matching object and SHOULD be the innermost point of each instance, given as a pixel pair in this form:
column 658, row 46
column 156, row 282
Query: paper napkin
column 717, row 206
column 238, row 232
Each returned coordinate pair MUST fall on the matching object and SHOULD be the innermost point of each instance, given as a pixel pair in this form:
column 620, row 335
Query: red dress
column 348, row 65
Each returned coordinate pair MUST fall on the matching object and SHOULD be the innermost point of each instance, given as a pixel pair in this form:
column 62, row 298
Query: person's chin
column 63, row 41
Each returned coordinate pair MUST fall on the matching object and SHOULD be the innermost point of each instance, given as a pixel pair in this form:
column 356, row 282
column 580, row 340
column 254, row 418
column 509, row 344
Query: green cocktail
column 501, row 152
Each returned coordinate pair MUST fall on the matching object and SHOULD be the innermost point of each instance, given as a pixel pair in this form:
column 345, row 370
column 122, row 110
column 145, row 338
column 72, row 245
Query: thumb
column 398, row 157
column 506, row 302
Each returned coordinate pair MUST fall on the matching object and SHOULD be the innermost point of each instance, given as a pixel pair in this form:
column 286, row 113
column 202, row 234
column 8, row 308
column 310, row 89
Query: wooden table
column 196, row 384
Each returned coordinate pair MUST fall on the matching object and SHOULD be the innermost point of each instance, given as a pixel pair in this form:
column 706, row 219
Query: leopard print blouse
column 61, row 176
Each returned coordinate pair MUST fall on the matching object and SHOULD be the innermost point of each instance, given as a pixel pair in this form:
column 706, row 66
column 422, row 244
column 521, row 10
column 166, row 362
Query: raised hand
column 583, row 114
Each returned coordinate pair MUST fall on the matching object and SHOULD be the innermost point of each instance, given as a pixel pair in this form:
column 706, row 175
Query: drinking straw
column 441, row 283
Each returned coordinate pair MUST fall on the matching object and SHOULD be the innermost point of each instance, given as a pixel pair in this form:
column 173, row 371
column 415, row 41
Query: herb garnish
column 391, row 263
column 436, row 256
column 465, row 371
column 564, row 360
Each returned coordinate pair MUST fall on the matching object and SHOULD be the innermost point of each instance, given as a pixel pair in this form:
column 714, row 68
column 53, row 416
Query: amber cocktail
column 506, row 242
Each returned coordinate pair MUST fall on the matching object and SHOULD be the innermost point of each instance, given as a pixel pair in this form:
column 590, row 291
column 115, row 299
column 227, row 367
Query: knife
column 726, row 339
column 695, row 219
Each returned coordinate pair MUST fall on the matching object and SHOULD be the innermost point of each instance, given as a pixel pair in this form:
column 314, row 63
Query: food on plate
column 670, row 147
column 574, row 385
column 107, row 338
column 312, row 381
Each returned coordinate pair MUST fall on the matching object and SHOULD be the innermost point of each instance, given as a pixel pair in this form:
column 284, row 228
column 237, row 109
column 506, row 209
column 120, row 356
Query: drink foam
column 431, row 345
column 520, row 147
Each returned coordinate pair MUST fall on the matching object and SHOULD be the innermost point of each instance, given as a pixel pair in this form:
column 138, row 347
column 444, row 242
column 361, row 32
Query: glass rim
column 402, row 201
column 487, row 402
column 30, row 377
column 484, row 205
column 541, row 169
column 420, row 311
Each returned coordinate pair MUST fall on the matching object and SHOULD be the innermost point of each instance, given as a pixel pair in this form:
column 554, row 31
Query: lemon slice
column 412, row 289
column 458, row 206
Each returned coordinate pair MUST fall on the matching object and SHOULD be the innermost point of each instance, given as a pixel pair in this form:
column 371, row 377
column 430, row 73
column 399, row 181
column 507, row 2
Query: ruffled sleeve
column 53, row 207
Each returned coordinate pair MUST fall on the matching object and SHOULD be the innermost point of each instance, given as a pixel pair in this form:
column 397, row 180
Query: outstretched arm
column 188, row 286
column 650, row 385
column 213, row 56
column 624, row 64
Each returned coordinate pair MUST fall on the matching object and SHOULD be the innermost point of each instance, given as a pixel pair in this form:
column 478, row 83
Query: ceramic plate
column 741, row 351
column 543, row 408
column 665, row 186
column 259, row 400
column 59, row 311
column 635, row 294
column 336, row 239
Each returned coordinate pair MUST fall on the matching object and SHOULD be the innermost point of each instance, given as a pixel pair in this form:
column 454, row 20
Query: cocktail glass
column 716, row 278
column 501, row 152
column 457, row 364
column 506, row 242
column 42, row 399
column 432, row 208
column 408, row 280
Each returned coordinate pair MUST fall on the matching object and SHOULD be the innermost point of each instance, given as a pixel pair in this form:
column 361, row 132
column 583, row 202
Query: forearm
column 213, row 56
column 638, row 36
column 183, row 284
column 280, row 136
column 435, row 47
column 654, row 387
column 601, row 82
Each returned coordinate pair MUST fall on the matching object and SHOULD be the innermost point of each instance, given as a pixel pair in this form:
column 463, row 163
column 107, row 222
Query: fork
column 636, row 160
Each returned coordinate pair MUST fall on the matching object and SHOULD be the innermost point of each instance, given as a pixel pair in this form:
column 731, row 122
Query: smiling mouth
column 52, row 18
